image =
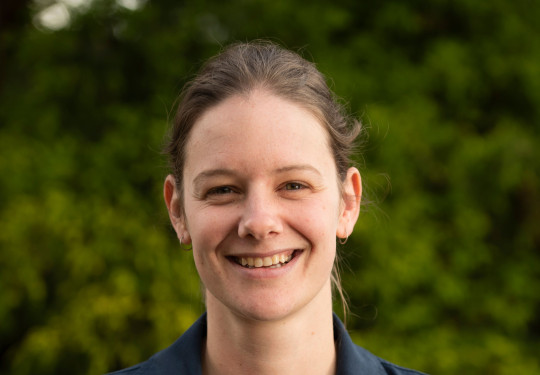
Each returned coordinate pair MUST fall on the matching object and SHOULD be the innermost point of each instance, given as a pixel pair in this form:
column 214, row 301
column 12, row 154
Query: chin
column 265, row 314
column 269, row 304
column 266, row 309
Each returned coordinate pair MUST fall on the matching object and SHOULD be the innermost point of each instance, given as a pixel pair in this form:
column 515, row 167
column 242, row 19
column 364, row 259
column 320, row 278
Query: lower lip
column 267, row 272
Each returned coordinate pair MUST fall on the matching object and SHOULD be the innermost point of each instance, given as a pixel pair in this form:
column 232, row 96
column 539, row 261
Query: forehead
column 262, row 126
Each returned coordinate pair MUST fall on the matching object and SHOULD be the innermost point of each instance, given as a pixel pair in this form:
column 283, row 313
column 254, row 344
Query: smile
column 275, row 261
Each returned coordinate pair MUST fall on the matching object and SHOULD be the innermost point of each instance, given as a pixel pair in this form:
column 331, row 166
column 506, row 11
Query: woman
column 260, row 188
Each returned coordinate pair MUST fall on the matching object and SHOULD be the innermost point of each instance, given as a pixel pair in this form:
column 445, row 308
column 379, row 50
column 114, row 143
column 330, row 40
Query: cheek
column 318, row 223
column 208, row 228
column 200, row 264
column 322, row 216
column 203, row 220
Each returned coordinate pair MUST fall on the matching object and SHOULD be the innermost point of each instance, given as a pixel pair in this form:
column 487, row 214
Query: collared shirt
column 184, row 356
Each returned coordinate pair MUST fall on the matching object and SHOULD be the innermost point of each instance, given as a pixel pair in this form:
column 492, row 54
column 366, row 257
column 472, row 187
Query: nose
column 260, row 218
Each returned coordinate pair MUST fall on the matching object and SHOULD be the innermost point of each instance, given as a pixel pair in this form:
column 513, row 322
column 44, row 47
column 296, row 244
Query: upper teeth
column 275, row 260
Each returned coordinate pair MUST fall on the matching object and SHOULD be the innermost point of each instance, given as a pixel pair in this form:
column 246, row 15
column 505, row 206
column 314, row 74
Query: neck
column 300, row 343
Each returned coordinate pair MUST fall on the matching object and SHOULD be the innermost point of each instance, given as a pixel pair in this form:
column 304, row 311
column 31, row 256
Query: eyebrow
column 223, row 172
column 198, row 180
column 298, row 167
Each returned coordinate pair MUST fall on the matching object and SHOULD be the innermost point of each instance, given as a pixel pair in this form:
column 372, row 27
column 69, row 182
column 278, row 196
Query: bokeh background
column 443, row 269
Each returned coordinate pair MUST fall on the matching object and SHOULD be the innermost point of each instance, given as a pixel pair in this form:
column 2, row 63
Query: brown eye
column 220, row 190
column 294, row 186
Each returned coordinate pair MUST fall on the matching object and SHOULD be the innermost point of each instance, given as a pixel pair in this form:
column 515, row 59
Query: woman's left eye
column 294, row 186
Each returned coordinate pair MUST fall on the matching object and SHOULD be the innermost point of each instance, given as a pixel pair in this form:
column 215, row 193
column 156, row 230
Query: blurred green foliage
column 443, row 269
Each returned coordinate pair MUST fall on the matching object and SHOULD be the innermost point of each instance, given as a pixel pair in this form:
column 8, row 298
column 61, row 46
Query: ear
column 173, row 202
column 352, row 195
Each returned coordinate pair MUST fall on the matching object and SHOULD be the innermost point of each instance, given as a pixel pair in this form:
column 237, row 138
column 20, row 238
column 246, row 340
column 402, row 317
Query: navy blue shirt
column 184, row 356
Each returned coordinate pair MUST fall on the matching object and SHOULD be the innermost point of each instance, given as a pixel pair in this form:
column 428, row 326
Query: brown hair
column 238, row 70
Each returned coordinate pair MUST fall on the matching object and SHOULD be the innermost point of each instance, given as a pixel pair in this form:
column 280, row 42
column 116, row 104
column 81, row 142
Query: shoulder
column 183, row 356
column 133, row 370
column 392, row 369
column 378, row 365
column 353, row 359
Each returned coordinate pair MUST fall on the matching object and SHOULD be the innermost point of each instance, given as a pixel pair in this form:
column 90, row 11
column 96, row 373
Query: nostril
column 259, row 227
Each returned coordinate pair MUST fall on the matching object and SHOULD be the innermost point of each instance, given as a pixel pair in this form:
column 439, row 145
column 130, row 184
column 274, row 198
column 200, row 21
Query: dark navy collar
column 352, row 359
column 184, row 356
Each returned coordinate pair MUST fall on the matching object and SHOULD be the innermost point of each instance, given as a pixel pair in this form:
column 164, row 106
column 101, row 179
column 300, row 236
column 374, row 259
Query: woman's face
column 262, row 205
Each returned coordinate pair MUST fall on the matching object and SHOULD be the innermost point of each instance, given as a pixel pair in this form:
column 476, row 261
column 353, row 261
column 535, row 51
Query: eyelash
column 297, row 186
column 226, row 190
column 219, row 190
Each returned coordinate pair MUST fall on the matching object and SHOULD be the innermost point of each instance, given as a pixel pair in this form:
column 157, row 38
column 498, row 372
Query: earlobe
column 172, row 201
column 352, row 196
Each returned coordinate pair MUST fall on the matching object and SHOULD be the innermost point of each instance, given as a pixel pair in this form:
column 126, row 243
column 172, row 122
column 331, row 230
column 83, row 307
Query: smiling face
column 262, row 206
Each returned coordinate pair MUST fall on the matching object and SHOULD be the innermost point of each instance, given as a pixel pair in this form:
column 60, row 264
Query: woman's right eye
column 220, row 190
column 221, row 195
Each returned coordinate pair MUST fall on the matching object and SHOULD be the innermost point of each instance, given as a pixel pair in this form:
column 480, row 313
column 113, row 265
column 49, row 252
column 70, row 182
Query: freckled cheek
column 317, row 224
column 206, row 274
column 209, row 230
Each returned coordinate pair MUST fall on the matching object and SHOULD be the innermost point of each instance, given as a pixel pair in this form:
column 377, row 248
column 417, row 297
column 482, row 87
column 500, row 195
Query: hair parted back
column 243, row 67
column 238, row 70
